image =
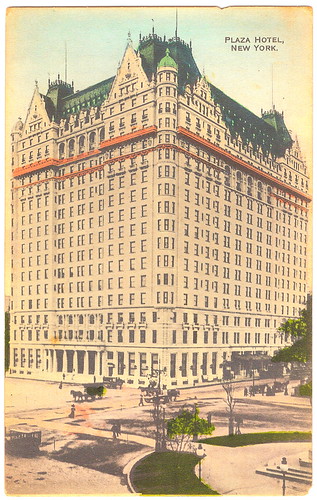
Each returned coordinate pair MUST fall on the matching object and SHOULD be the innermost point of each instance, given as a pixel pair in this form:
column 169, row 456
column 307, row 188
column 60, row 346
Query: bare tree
column 230, row 402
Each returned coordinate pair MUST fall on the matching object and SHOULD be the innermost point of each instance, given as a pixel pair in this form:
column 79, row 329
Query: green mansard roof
column 268, row 132
column 84, row 99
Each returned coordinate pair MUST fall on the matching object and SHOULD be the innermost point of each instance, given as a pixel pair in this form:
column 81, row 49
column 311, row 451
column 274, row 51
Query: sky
column 96, row 40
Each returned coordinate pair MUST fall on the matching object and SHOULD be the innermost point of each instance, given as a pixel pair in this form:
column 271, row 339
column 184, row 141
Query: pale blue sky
column 96, row 39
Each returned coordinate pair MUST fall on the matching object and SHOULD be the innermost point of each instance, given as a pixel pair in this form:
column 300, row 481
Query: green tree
column 185, row 426
column 300, row 329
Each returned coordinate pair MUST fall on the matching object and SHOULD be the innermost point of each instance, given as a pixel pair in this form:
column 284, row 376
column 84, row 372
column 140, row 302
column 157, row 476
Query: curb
column 128, row 468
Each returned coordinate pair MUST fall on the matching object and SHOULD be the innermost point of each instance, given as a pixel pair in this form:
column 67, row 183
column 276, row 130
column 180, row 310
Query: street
column 48, row 406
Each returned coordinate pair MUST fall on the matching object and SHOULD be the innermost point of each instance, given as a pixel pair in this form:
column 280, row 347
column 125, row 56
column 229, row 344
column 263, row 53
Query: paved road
column 46, row 405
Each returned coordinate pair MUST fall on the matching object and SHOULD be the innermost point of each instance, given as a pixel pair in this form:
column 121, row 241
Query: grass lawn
column 258, row 438
column 168, row 473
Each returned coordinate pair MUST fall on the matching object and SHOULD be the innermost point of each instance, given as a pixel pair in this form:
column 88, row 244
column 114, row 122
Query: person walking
column 72, row 411
column 119, row 428
column 115, row 431
column 141, row 402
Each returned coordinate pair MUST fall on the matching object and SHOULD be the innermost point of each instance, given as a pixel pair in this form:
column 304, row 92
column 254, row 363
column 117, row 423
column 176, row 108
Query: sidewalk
column 231, row 471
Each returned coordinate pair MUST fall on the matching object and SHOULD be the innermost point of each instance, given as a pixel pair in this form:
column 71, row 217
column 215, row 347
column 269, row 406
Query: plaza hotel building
column 159, row 228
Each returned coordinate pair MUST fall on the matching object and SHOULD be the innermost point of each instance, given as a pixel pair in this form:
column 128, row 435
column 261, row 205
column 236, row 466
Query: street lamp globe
column 284, row 465
column 200, row 451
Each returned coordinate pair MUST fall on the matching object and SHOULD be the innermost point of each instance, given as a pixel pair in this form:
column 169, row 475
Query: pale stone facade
column 148, row 236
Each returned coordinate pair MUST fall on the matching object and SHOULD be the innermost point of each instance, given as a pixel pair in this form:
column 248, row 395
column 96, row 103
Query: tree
column 230, row 402
column 185, row 426
column 300, row 329
column 306, row 390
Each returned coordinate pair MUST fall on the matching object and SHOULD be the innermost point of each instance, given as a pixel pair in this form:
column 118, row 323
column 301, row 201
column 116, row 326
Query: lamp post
column 200, row 454
column 159, row 419
column 284, row 469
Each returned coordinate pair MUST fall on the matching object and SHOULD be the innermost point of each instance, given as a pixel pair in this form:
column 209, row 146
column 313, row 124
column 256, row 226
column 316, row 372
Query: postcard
column 158, row 332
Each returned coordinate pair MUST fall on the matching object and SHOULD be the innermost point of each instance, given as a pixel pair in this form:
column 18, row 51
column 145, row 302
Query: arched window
column 239, row 180
column 260, row 190
column 71, row 147
column 102, row 134
column 81, row 319
column 70, row 319
column 91, row 319
column 61, row 151
column 92, row 141
column 269, row 193
column 227, row 176
column 250, row 186
column 81, row 144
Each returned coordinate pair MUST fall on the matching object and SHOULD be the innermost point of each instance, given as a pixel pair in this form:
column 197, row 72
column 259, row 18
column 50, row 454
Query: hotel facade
column 159, row 228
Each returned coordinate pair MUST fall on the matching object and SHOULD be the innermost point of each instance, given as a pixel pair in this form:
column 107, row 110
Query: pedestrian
column 141, row 402
column 61, row 385
column 119, row 428
column 114, row 429
column 72, row 411
column 245, row 391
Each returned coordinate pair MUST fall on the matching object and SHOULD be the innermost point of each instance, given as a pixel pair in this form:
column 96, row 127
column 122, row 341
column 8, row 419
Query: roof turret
column 18, row 126
column 167, row 61
column 152, row 50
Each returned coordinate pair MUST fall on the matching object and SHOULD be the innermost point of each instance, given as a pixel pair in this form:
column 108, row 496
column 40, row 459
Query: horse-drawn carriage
column 154, row 394
column 91, row 392
column 268, row 390
column 113, row 382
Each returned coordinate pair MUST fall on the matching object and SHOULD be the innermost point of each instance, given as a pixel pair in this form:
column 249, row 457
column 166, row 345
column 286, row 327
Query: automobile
column 23, row 440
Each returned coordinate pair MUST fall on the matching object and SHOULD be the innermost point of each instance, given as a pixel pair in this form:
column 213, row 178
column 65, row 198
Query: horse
column 173, row 393
column 77, row 395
